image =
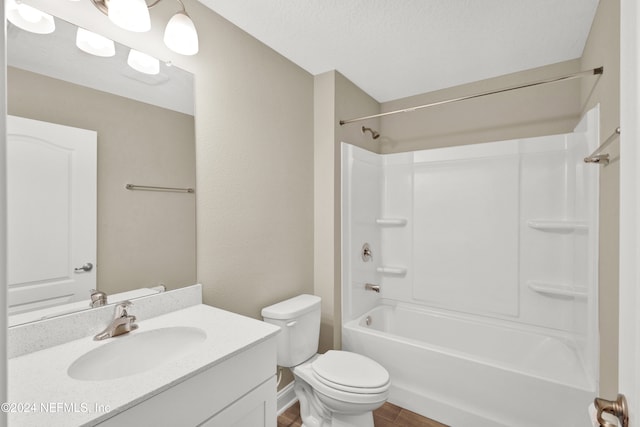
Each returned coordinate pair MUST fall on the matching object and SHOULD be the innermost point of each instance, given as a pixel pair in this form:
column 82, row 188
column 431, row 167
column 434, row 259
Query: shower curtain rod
column 602, row 159
column 592, row 72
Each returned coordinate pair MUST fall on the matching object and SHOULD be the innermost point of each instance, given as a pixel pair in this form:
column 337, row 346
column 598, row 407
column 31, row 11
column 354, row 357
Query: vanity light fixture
column 95, row 44
column 142, row 62
column 180, row 34
column 29, row 18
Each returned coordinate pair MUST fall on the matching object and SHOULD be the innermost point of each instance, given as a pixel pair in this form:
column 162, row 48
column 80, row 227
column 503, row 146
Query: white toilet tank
column 299, row 320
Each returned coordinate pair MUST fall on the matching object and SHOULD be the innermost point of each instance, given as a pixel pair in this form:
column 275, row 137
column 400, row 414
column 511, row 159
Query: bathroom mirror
column 145, row 137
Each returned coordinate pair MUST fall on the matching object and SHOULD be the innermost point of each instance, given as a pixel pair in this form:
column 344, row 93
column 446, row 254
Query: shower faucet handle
column 371, row 287
column 367, row 254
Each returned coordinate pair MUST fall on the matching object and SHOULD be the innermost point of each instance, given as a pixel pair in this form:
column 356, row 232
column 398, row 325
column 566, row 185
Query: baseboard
column 286, row 398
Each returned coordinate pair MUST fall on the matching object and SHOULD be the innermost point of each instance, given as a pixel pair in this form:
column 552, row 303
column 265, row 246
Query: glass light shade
column 142, row 62
column 29, row 18
column 180, row 35
column 132, row 15
column 95, row 44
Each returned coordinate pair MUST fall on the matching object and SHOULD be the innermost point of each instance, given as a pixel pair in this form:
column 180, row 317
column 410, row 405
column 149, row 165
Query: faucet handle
column 121, row 308
column 98, row 298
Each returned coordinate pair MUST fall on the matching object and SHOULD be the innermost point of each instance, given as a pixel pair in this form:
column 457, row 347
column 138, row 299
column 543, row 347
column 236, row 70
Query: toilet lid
column 350, row 370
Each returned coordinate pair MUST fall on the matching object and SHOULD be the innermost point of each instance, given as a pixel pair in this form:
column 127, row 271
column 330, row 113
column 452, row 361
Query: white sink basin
column 136, row 352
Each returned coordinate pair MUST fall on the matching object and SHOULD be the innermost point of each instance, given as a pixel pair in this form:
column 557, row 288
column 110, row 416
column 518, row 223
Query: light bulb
column 95, row 44
column 29, row 18
column 142, row 62
column 29, row 13
column 132, row 15
column 180, row 35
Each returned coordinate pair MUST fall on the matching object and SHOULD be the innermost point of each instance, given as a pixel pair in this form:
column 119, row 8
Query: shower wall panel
column 397, row 203
column 362, row 198
column 465, row 242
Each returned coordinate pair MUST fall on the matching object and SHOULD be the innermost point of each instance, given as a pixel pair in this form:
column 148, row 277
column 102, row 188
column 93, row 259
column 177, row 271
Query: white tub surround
column 491, row 251
column 225, row 377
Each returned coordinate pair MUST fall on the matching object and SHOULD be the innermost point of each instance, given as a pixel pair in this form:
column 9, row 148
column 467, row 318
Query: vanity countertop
column 41, row 393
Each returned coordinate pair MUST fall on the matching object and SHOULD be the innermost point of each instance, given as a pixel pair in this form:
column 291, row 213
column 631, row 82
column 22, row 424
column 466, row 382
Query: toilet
column 335, row 389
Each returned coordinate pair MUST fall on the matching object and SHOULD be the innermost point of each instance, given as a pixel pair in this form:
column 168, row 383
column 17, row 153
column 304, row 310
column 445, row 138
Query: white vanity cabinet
column 225, row 380
column 240, row 391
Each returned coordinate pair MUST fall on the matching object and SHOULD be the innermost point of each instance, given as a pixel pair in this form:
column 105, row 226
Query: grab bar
column 596, row 157
column 152, row 188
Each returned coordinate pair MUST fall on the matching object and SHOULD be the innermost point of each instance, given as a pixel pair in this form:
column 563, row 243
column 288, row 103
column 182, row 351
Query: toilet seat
column 357, row 396
column 350, row 372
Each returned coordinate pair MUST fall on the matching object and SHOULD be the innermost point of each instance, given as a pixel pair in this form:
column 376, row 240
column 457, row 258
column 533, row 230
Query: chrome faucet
column 370, row 287
column 122, row 323
column 98, row 299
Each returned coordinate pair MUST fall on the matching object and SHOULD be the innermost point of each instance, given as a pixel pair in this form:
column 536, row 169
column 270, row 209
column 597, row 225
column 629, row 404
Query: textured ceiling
column 397, row 48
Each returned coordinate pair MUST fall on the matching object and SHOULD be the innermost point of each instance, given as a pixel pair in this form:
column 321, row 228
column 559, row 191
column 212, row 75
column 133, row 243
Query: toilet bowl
column 335, row 389
column 348, row 385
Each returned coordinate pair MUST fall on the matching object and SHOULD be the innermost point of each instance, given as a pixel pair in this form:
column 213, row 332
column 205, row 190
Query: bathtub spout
column 370, row 287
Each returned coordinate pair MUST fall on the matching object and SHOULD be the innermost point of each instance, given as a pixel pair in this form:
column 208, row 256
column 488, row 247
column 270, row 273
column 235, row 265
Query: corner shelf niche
column 557, row 290
column 391, row 222
column 560, row 226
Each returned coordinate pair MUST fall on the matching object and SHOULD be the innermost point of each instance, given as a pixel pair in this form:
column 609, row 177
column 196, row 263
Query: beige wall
column 325, row 201
column 603, row 49
column 541, row 110
column 254, row 132
column 144, row 238
column 335, row 98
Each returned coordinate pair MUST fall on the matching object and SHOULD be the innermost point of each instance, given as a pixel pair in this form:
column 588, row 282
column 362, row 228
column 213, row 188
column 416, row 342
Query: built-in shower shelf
column 557, row 225
column 392, row 271
column 391, row 222
column 557, row 290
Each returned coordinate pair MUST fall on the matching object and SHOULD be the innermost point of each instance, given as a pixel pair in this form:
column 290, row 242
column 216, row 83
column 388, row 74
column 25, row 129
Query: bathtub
column 467, row 372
